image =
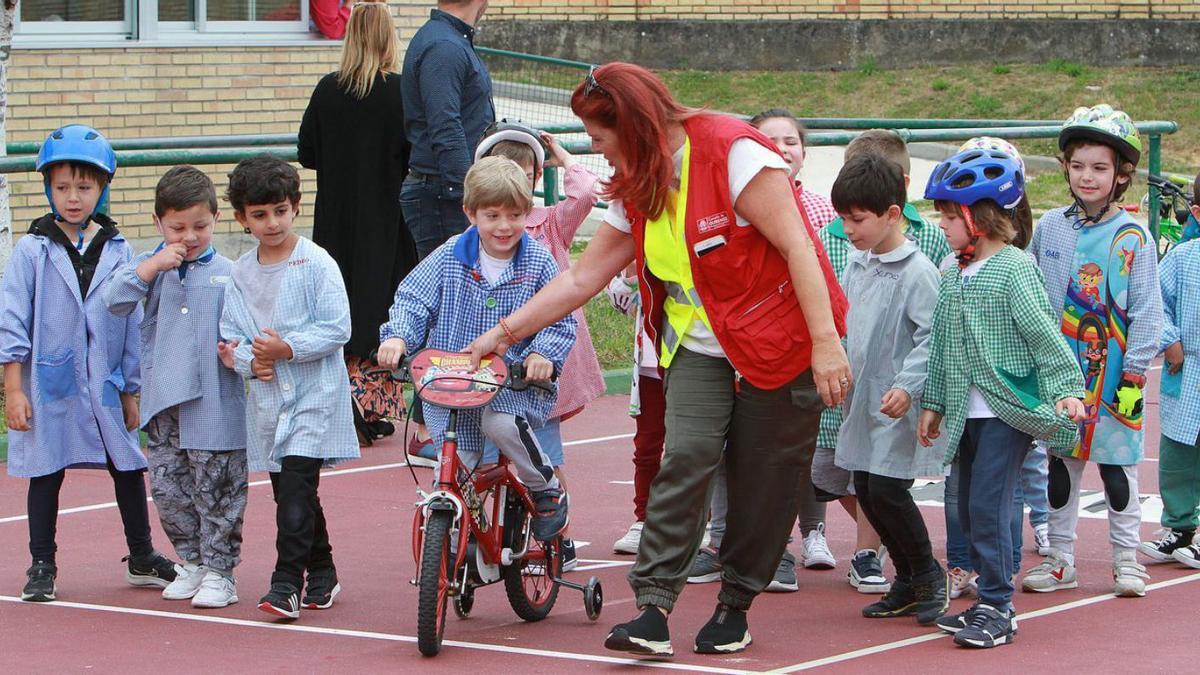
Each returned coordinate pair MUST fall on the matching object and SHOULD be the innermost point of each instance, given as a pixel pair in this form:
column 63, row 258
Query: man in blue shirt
column 447, row 106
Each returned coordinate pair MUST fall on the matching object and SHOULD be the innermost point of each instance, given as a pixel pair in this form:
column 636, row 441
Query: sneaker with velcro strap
column 550, row 516
column 216, row 591
column 987, row 627
column 187, row 583
column 1169, row 540
column 283, row 601
column 1129, row 576
column 645, row 635
column 1052, row 574
column 321, row 588
column 153, row 569
column 866, row 573
column 39, row 586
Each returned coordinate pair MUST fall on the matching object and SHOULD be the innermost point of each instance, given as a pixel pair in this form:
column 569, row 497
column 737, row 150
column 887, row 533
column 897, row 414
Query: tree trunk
column 6, row 31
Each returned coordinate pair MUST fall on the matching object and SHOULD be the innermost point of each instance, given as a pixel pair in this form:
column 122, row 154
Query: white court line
column 372, row 635
column 326, row 474
column 600, row 565
column 1023, row 616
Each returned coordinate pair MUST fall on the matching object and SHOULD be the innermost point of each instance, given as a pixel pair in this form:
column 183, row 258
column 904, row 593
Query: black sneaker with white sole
column 550, row 518
column 952, row 623
column 282, row 601
column 321, row 588
column 646, row 635
column 866, row 573
column 987, row 627
column 153, row 570
column 40, row 586
column 1163, row 548
column 725, row 633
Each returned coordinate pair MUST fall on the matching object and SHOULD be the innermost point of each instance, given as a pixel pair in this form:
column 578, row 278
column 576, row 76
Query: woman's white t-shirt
column 746, row 159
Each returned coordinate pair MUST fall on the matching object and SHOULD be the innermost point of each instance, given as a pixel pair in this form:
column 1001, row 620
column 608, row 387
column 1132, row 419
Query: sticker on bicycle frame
column 446, row 379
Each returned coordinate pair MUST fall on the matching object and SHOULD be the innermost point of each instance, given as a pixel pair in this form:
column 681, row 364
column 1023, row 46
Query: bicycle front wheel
column 435, row 576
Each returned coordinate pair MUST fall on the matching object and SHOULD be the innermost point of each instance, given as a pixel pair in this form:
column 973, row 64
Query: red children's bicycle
column 473, row 528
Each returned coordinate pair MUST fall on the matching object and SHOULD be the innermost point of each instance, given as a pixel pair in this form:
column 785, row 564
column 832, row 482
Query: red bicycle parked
column 473, row 528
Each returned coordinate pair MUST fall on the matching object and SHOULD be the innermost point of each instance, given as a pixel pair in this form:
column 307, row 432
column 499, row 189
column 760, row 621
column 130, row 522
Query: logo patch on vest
column 717, row 221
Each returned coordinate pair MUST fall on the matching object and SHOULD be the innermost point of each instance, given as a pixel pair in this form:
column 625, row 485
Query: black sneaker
column 952, row 623
column 152, row 570
column 900, row 600
column 646, row 635
column 320, row 590
column 725, row 633
column 40, row 587
column 283, row 601
column 987, row 627
column 569, row 559
column 1163, row 549
column 866, row 573
column 932, row 594
column 550, row 518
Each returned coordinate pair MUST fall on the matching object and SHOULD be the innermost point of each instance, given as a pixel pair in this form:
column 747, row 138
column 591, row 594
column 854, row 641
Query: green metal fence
column 537, row 89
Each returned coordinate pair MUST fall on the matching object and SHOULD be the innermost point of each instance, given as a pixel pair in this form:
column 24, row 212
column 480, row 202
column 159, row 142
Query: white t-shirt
column 746, row 159
column 977, row 406
column 491, row 267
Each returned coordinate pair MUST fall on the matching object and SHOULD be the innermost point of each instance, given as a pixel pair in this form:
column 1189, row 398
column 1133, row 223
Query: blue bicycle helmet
column 77, row 143
column 974, row 175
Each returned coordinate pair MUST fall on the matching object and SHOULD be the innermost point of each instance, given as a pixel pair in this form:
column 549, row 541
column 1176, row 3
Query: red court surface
column 102, row 625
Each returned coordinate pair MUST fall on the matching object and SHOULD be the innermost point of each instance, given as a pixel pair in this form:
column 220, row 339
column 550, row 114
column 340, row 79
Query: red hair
column 637, row 105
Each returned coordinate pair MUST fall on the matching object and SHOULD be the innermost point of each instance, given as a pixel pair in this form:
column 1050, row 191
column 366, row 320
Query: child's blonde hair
column 883, row 142
column 496, row 181
column 371, row 48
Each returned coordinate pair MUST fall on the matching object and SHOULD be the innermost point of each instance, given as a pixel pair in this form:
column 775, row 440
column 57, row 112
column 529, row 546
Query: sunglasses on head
column 590, row 84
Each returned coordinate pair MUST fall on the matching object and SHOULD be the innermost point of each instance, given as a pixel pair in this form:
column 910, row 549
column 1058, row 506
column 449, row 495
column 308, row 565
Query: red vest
column 744, row 285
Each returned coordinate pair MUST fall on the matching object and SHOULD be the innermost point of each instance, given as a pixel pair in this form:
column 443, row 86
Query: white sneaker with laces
column 186, row 583
column 816, row 550
column 1188, row 555
column 1041, row 539
column 217, row 591
column 960, row 583
column 629, row 542
column 1129, row 576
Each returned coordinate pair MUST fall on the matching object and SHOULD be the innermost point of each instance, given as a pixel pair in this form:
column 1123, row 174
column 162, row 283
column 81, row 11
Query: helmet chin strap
column 967, row 255
column 1078, row 207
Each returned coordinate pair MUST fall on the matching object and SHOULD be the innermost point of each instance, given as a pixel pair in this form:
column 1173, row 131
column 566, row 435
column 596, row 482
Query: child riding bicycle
column 462, row 289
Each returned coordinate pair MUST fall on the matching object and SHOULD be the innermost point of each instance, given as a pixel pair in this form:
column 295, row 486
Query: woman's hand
column 927, row 427
column 493, row 341
column 17, row 411
column 538, row 369
column 831, row 371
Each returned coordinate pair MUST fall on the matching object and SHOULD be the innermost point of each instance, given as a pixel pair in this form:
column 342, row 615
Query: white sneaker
column 961, row 583
column 816, row 550
column 629, row 542
column 186, row 583
column 1129, row 576
column 1188, row 555
column 1041, row 539
column 1052, row 574
column 217, row 591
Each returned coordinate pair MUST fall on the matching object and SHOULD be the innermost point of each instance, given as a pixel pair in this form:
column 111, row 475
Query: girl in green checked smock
column 1100, row 268
column 999, row 375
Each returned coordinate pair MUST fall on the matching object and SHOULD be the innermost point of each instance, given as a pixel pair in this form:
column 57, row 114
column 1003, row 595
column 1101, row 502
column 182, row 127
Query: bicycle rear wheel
column 434, row 579
column 529, row 582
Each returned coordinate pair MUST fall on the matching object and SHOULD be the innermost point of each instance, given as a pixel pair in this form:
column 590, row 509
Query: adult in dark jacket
column 352, row 134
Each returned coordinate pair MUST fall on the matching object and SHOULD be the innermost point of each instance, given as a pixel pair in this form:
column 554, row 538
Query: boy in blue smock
column 463, row 288
column 193, row 410
column 285, row 321
column 70, row 367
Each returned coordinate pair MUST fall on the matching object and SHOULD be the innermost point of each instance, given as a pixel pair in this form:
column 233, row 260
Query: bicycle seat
column 446, row 379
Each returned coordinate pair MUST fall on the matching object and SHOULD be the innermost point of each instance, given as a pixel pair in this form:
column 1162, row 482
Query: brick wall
column 790, row 10
column 148, row 92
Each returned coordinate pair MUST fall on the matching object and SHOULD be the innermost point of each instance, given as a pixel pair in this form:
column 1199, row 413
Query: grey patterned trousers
column 200, row 496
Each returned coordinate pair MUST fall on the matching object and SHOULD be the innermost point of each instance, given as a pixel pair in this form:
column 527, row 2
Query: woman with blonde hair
column 352, row 134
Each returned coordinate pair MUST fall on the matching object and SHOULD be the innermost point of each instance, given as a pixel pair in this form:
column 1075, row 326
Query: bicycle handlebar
column 515, row 381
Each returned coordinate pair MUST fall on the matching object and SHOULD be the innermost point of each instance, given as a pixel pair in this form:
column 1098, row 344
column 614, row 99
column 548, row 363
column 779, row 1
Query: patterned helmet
column 975, row 175
column 1102, row 124
column 993, row 143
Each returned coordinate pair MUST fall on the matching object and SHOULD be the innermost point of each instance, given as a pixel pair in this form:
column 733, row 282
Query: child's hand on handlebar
column 391, row 351
column 538, row 369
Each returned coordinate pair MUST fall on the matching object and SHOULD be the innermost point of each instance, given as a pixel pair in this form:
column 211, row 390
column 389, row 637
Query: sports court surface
column 102, row 625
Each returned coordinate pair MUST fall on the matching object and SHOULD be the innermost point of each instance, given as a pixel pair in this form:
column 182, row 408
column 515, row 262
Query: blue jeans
column 1035, row 477
column 990, row 455
column 957, row 549
column 431, row 217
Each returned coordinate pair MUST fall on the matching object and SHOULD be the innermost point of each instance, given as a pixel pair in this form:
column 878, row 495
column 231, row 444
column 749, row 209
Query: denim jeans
column 1035, row 477
column 957, row 549
column 990, row 455
column 430, row 217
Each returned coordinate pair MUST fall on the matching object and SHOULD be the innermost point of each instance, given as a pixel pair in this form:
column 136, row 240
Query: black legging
column 42, row 506
column 890, row 509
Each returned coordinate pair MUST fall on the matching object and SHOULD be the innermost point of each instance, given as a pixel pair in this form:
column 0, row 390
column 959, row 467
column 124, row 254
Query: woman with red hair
column 746, row 315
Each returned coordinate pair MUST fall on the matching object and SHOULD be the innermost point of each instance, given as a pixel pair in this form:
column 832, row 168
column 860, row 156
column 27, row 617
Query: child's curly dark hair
column 263, row 180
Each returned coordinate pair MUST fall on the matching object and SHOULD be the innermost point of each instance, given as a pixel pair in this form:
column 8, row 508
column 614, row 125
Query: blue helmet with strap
column 977, row 174
column 76, row 143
